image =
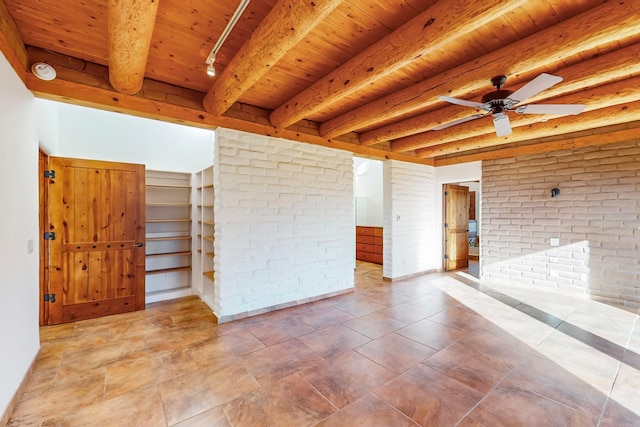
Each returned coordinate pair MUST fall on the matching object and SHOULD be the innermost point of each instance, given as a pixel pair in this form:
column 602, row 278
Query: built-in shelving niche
column 168, row 235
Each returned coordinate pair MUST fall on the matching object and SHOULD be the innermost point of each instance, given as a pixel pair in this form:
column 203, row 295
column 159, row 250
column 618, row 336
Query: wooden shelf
column 207, row 254
column 206, row 222
column 169, row 270
column 170, row 205
column 158, row 239
column 168, row 254
column 205, row 206
column 205, row 186
column 208, row 275
column 167, row 186
column 168, row 235
column 208, row 238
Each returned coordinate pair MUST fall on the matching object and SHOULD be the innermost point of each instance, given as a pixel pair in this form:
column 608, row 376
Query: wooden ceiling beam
column 74, row 86
column 613, row 66
column 287, row 23
column 130, row 26
column 616, row 93
column 429, row 31
column 598, row 118
column 570, row 143
column 11, row 42
column 608, row 23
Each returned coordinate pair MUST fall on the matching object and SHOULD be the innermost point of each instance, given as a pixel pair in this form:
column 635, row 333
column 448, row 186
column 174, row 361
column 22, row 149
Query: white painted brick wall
column 596, row 217
column 285, row 227
column 408, row 217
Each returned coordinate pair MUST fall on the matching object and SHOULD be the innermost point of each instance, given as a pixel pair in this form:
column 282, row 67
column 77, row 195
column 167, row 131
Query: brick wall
column 285, row 223
column 409, row 219
column 595, row 217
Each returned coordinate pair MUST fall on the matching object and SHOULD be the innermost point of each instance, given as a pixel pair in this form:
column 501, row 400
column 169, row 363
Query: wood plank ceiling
column 361, row 75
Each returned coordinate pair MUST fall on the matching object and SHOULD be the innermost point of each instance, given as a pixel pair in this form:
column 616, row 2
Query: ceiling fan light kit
column 498, row 102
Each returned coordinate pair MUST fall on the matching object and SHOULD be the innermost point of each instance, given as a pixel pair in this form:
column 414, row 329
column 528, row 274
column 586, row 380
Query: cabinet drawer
column 369, row 240
column 364, row 231
column 369, row 257
column 368, row 248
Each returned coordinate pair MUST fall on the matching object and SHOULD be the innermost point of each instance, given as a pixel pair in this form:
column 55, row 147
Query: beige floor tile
column 369, row 411
column 290, row 401
column 141, row 407
column 477, row 370
column 199, row 391
column 333, row 340
column 374, row 325
column 395, row 352
column 436, row 343
column 515, row 407
column 426, row 396
column 212, row 418
column 346, row 377
column 587, row 394
column 279, row 361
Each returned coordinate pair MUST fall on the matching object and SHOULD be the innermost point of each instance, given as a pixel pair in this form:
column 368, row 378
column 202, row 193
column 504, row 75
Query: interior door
column 456, row 232
column 97, row 260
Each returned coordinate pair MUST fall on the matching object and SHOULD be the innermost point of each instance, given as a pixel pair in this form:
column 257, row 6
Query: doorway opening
column 368, row 194
column 461, row 227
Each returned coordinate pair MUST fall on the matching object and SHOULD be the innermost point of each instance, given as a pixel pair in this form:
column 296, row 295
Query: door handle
column 139, row 244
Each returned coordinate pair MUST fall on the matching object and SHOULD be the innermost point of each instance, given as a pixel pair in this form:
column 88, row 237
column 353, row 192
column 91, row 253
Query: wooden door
column 456, row 223
column 97, row 260
column 43, row 165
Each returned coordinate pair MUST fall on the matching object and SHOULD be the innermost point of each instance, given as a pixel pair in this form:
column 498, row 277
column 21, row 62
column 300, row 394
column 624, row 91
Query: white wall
column 368, row 191
column 18, row 268
column 284, row 228
column 47, row 124
column 409, row 205
column 88, row 133
column 453, row 174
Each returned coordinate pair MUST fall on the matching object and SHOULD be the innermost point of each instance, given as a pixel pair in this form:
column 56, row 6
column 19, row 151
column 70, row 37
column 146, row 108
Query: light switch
column 30, row 246
column 554, row 241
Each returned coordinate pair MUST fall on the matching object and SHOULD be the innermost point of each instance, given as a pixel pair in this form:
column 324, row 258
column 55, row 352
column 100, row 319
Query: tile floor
column 434, row 350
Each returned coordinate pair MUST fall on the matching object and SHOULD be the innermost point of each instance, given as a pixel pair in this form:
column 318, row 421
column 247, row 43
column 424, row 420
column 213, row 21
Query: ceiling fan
column 500, row 101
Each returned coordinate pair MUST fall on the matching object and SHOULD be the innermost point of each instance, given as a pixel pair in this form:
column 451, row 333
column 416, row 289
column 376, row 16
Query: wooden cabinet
column 369, row 244
column 472, row 205
column 203, row 231
column 168, row 235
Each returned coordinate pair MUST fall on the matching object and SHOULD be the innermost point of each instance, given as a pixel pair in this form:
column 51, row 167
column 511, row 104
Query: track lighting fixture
column 211, row 70
column 211, row 59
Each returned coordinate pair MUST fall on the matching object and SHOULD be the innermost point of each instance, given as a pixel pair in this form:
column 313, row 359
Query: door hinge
column 446, row 193
column 446, row 225
column 50, row 174
column 50, row 235
column 446, row 256
column 50, row 297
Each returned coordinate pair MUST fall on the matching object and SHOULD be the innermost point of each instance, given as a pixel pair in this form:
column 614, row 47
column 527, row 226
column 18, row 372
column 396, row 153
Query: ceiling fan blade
column 540, row 83
column 457, row 122
column 502, row 124
column 462, row 102
column 563, row 109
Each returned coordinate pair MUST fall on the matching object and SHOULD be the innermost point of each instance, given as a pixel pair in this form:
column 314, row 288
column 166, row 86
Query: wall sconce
column 555, row 192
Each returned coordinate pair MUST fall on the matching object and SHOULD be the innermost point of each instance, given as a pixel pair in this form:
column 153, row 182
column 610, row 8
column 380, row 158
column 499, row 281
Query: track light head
column 211, row 70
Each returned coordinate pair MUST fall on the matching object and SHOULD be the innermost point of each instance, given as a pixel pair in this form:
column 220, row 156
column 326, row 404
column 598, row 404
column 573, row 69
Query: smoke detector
column 43, row 71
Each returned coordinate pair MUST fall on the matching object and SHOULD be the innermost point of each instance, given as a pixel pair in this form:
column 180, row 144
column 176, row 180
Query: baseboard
column 409, row 276
column 231, row 317
column 12, row 404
